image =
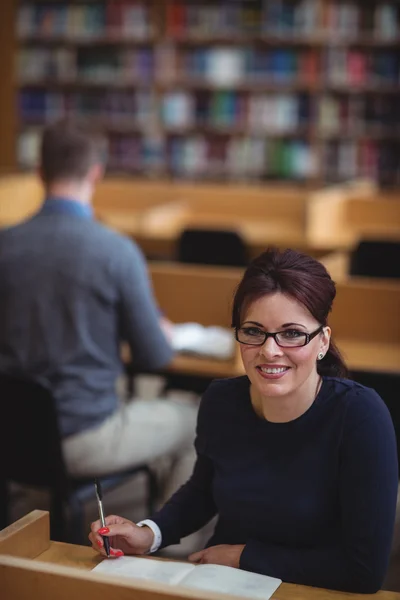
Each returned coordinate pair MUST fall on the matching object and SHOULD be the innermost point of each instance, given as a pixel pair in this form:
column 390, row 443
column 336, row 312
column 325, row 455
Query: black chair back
column 31, row 447
column 31, row 439
column 212, row 247
column 376, row 259
column 387, row 385
column 31, row 454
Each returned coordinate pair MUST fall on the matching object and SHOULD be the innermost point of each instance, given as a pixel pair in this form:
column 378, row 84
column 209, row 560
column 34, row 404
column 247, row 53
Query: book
column 194, row 338
column 213, row 578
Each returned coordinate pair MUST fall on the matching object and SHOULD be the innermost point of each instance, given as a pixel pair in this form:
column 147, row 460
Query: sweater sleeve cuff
column 157, row 534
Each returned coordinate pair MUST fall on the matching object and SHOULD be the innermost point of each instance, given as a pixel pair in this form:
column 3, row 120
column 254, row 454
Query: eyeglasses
column 290, row 338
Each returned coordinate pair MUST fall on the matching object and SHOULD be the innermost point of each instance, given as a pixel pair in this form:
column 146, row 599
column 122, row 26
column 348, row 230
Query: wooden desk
column 198, row 366
column 379, row 357
column 376, row 220
column 263, row 216
column 359, row 356
column 121, row 203
column 338, row 218
column 161, row 236
column 156, row 212
column 32, row 567
column 20, row 197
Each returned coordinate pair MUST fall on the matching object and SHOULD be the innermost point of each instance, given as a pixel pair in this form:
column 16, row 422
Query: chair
column 212, row 247
column 31, row 453
column 376, row 259
column 387, row 385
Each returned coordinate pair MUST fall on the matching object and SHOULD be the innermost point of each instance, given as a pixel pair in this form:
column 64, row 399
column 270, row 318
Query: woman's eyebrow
column 283, row 326
column 291, row 325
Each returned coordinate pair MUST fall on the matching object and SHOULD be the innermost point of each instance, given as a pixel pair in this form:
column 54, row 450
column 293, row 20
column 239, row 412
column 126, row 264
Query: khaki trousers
column 141, row 431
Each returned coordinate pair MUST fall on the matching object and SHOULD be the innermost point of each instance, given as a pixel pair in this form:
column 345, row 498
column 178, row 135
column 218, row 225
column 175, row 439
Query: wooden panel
column 123, row 194
column 337, row 265
column 21, row 579
column 339, row 216
column 70, row 555
column 28, row 537
column 374, row 220
column 84, row 558
column 269, row 202
column 156, row 213
column 370, row 356
column 197, row 191
column 62, row 571
column 207, row 367
column 367, row 310
column 8, row 101
column 202, row 294
column 326, row 225
column 20, row 197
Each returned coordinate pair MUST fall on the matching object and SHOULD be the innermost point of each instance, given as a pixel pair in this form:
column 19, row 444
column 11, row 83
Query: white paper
column 161, row 571
column 215, row 578
column 217, row 342
column 234, row 582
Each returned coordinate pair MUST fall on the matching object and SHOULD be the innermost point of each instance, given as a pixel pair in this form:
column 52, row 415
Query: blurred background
column 252, row 90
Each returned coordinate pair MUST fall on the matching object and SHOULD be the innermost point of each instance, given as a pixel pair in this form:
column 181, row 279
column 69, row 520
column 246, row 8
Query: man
column 71, row 291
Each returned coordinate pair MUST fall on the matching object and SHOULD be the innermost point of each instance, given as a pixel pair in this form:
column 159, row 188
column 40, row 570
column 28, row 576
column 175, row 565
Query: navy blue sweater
column 313, row 500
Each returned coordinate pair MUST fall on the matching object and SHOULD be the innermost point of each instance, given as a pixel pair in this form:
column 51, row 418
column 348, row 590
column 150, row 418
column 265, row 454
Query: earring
column 320, row 355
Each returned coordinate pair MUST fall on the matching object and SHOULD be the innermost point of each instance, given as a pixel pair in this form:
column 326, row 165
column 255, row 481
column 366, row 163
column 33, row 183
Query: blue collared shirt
column 60, row 205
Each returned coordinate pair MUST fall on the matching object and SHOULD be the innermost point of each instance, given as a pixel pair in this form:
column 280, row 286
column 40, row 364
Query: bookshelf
column 250, row 90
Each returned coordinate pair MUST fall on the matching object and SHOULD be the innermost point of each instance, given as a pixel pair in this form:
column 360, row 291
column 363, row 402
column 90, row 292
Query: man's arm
column 141, row 323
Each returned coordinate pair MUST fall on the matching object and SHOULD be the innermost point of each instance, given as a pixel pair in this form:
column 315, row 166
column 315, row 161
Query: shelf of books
column 303, row 90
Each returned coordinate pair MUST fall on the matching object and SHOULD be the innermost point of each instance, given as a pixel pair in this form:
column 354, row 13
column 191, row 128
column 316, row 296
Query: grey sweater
column 70, row 291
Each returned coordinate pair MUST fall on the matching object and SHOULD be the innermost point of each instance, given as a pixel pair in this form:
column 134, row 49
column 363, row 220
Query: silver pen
column 99, row 496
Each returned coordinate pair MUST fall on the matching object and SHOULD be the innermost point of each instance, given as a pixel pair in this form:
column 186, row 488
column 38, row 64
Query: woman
column 298, row 462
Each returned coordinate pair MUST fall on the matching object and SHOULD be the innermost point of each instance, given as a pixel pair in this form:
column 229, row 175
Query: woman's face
column 275, row 371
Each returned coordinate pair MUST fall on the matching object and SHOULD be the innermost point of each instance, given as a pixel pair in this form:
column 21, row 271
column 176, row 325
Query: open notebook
column 214, row 578
column 216, row 342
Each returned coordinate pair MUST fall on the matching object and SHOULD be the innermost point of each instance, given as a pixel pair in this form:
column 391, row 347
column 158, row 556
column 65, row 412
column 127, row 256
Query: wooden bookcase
column 251, row 90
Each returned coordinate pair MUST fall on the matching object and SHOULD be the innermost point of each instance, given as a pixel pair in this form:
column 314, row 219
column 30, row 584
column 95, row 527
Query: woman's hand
column 125, row 537
column 224, row 554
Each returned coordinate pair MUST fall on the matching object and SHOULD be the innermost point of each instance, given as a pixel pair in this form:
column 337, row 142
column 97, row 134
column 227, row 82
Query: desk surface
column 33, row 566
column 370, row 356
column 83, row 557
column 359, row 356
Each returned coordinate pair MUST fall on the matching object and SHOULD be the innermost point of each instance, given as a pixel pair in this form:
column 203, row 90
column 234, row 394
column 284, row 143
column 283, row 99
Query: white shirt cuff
column 157, row 534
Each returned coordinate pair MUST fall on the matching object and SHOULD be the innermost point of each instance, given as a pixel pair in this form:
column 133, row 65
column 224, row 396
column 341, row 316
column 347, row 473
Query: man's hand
column 224, row 554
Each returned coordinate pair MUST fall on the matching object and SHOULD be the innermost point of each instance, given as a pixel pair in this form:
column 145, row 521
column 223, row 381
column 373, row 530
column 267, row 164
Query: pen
column 99, row 496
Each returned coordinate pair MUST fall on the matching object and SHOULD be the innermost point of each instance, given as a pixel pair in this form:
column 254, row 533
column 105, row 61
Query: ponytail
column 332, row 364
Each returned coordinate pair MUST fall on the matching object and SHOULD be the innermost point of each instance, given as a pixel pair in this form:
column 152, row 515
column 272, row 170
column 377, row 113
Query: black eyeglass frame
column 307, row 337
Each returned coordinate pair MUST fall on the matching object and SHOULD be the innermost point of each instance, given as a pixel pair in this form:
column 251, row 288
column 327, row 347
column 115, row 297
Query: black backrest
column 212, row 247
column 387, row 385
column 30, row 442
column 376, row 259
